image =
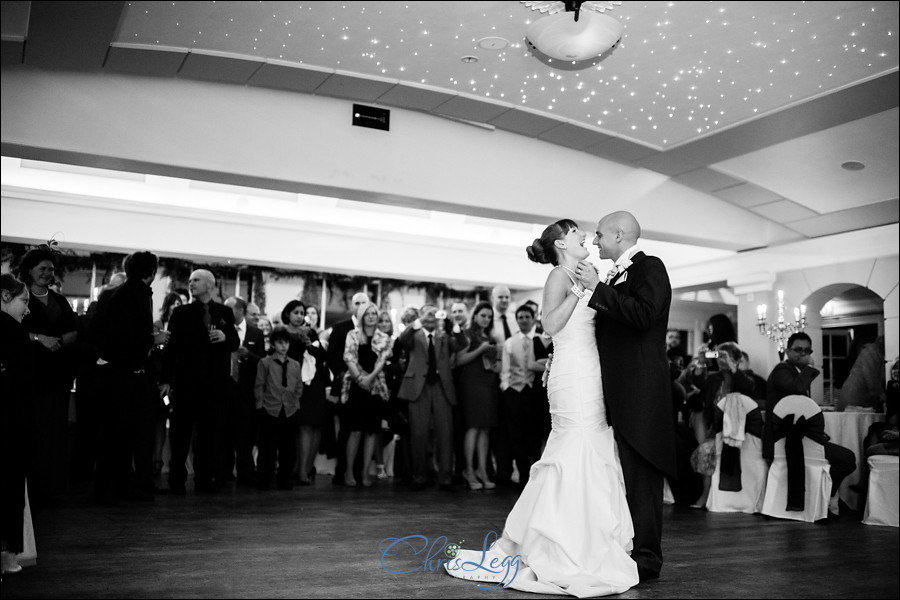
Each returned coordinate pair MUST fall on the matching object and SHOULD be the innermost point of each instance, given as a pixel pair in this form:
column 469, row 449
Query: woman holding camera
column 727, row 379
column 479, row 393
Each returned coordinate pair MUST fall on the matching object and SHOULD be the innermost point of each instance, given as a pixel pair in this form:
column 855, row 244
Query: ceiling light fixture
column 493, row 43
column 574, row 34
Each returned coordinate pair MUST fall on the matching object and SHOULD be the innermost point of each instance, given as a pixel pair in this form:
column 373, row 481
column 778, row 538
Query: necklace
column 45, row 294
column 573, row 274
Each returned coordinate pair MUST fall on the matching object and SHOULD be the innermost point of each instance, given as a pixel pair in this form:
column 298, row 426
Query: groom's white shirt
column 625, row 259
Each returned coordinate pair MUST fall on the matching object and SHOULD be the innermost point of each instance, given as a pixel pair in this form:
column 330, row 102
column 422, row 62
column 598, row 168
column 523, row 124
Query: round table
column 849, row 429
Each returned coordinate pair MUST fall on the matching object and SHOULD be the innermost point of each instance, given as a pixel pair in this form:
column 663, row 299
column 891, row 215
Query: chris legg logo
column 413, row 553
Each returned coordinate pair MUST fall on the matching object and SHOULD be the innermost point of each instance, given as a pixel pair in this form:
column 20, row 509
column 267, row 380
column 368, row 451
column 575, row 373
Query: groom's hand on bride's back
column 588, row 275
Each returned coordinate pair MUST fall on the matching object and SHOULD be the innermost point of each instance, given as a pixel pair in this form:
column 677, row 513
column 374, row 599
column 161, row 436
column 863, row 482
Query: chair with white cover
column 747, row 496
column 883, row 504
column 798, row 415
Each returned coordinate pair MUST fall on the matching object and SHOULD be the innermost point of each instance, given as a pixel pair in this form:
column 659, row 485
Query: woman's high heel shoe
column 473, row 483
column 483, row 478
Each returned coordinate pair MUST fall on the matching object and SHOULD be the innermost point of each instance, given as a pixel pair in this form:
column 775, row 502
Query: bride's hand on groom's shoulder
column 588, row 275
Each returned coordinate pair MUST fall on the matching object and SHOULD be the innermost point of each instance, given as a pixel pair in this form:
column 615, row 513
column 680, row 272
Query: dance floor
column 327, row 542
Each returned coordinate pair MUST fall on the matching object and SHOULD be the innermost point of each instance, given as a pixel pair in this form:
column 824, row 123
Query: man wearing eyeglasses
column 794, row 376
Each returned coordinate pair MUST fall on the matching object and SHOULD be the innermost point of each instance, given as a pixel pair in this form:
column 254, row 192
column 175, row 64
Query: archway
column 849, row 317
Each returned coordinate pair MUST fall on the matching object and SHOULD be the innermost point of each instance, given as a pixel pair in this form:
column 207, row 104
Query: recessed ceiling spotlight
column 852, row 165
column 469, row 59
column 493, row 43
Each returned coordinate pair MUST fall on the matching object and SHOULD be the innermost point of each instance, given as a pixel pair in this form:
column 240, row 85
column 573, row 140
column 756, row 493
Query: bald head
column 616, row 233
column 625, row 223
column 501, row 296
column 253, row 313
column 359, row 298
column 201, row 285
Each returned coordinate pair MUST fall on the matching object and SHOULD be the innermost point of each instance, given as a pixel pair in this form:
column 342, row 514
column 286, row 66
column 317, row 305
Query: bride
column 570, row 531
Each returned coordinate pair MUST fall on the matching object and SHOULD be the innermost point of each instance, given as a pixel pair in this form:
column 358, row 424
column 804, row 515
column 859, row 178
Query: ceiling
column 755, row 104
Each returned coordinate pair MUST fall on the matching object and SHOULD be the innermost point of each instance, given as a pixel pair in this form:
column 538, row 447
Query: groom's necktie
column 611, row 274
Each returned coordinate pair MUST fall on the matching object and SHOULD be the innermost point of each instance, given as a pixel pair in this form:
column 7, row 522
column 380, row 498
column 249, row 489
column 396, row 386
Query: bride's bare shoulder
column 558, row 277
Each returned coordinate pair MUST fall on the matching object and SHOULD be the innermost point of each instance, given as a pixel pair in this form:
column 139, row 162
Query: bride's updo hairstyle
column 542, row 250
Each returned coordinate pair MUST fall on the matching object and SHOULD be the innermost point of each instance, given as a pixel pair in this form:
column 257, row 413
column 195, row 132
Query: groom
column 632, row 307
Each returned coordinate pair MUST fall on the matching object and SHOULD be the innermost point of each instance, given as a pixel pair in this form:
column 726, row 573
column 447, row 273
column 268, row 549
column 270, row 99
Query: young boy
column 278, row 389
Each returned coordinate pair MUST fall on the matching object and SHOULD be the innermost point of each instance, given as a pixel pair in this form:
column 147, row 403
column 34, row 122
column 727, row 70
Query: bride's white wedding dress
column 570, row 532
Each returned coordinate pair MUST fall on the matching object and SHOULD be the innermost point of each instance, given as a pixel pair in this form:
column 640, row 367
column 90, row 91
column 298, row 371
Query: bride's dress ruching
column 570, row 531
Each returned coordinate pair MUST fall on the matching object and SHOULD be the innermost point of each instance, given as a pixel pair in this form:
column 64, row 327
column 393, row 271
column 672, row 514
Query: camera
column 712, row 354
column 441, row 314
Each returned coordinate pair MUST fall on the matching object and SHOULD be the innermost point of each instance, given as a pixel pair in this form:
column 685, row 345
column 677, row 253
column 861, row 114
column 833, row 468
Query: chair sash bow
column 793, row 431
column 730, row 461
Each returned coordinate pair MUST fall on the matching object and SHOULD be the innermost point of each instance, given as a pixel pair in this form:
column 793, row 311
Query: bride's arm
column 559, row 301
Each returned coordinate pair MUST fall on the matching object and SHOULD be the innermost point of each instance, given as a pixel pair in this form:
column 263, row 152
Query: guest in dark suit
column 632, row 316
column 428, row 387
column 241, row 427
column 197, row 369
column 794, row 376
column 336, row 344
column 398, row 410
column 122, row 328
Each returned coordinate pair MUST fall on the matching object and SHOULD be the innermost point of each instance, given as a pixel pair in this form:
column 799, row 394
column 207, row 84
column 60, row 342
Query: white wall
column 306, row 143
column 814, row 287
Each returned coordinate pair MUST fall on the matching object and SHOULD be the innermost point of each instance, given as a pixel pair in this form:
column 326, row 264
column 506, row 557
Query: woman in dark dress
column 365, row 391
column 171, row 301
column 308, row 351
column 479, row 393
column 15, row 353
column 52, row 328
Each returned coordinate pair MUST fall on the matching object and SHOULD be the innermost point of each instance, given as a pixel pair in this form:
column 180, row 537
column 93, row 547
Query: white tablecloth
column 849, row 429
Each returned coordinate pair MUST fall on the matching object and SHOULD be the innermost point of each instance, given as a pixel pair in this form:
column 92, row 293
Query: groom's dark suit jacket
column 632, row 318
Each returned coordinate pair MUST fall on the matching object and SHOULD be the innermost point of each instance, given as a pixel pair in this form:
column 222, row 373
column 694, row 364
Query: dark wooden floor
column 323, row 542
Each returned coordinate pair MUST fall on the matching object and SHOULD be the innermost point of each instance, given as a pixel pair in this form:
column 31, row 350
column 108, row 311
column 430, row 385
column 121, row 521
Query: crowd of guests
column 231, row 394
column 239, row 396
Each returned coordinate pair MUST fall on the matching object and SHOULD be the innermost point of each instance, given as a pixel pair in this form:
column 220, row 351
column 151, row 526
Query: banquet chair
column 883, row 504
column 753, row 473
column 817, row 479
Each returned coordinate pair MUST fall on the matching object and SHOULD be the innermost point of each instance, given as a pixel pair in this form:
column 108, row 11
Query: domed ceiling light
column 571, row 33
